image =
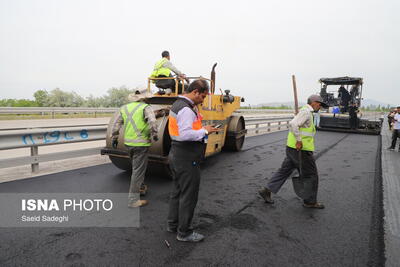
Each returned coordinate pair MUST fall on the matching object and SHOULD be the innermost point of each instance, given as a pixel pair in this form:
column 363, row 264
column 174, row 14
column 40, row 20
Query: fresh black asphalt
column 240, row 229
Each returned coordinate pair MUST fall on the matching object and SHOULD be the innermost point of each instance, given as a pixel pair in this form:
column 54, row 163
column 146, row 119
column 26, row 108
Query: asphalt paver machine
column 344, row 103
column 216, row 109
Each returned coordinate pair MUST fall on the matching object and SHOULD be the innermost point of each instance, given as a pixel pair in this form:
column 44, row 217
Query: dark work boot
column 315, row 205
column 266, row 195
column 143, row 189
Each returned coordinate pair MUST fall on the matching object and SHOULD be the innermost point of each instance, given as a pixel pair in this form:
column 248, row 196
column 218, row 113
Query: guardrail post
column 52, row 114
column 279, row 128
column 287, row 124
column 95, row 114
column 269, row 126
column 257, row 128
column 34, row 153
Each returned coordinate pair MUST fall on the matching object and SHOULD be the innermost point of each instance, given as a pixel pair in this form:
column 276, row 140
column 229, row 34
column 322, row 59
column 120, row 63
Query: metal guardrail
column 41, row 137
column 53, row 110
column 33, row 138
column 278, row 123
column 31, row 110
column 67, row 110
column 262, row 110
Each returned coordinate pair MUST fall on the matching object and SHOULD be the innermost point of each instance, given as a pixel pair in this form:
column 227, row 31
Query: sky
column 89, row 46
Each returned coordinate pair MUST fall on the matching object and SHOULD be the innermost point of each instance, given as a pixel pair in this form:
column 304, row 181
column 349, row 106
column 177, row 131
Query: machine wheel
column 235, row 134
column 152, row 168
column 122, row 163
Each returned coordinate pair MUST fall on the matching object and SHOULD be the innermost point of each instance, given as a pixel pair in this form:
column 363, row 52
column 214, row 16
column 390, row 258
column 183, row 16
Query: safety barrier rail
column 69, row 110
column 267, row 125
column 54, row 110
column 31, row 110
column 34, row 138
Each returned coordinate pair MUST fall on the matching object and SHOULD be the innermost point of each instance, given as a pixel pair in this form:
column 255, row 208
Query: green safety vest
column 137, row 131
column 307, row 136
column 159, row 69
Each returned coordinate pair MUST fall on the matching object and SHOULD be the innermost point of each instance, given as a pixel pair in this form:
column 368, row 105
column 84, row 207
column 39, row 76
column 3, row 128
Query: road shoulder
column 391, row 199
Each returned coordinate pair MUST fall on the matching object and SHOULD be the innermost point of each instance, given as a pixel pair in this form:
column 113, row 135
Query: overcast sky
column 89, row 46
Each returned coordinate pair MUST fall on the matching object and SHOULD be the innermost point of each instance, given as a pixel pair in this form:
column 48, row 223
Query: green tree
column 25, row 103
column 41, row 98
column 59, row 98
column 17, row 103
column 77, row 100
column 95, row 102
column 7, row 102
column 117, row 97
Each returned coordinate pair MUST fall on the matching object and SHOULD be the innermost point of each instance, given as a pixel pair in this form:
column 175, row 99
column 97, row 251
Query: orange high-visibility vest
column 173, row 127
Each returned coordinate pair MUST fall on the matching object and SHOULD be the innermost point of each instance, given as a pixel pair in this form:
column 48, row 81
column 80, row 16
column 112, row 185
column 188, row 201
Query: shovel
column 303, row 186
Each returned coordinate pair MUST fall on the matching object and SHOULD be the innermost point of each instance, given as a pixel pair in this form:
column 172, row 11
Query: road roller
column 216, row 109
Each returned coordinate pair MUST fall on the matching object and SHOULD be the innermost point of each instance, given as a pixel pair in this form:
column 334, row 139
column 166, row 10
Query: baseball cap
column 317, row 98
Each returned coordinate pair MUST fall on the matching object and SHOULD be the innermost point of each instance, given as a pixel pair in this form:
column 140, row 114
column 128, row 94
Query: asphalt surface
column 240, row 229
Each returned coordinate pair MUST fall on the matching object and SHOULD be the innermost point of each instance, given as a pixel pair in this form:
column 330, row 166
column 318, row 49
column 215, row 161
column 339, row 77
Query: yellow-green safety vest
column 137, row 131
column 159, row 69
column 307, row 136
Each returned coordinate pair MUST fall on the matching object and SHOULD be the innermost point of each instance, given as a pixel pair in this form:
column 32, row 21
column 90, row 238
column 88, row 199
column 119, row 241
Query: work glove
column 155, row 138
column 115, row 143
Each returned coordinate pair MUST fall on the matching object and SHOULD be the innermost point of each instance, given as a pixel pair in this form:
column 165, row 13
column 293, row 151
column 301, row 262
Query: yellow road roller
column 216, row 109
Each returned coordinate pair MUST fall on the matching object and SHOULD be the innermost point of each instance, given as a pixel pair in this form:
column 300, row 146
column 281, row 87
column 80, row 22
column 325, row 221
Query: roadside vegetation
column 377, row 108
column 115, row 97
column 55, row 116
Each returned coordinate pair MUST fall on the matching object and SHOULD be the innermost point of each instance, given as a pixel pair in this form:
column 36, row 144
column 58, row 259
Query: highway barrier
column 54, row 110
column 45, row 136
column 72, row 110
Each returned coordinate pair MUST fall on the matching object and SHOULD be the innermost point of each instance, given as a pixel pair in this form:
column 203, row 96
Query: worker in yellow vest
column 163, row 68
column 300, row 143
column 140, row 129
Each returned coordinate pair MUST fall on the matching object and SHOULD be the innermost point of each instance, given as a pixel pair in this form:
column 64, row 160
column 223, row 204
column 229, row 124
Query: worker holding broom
column 299, row 155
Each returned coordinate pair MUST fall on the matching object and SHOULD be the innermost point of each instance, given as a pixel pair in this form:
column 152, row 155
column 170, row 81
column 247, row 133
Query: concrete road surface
column 240, row 229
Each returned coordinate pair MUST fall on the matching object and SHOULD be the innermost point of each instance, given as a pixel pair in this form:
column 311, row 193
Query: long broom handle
column 300, row 164
column 296, row 103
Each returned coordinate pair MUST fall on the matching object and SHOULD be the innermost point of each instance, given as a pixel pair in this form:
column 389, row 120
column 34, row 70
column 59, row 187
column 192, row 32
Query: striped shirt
column 185, row 119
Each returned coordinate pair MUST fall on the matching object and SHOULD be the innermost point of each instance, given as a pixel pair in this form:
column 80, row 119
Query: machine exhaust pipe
column 213, row 78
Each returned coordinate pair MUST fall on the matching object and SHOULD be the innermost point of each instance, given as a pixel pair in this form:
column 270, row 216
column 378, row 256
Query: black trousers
column 291, row 163
column 353, row 119
column 183, row 199
column 395, row 135
column 170, row 84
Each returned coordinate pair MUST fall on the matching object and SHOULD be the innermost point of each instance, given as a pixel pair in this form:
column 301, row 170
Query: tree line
column 378, row 108
column 115, row 97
